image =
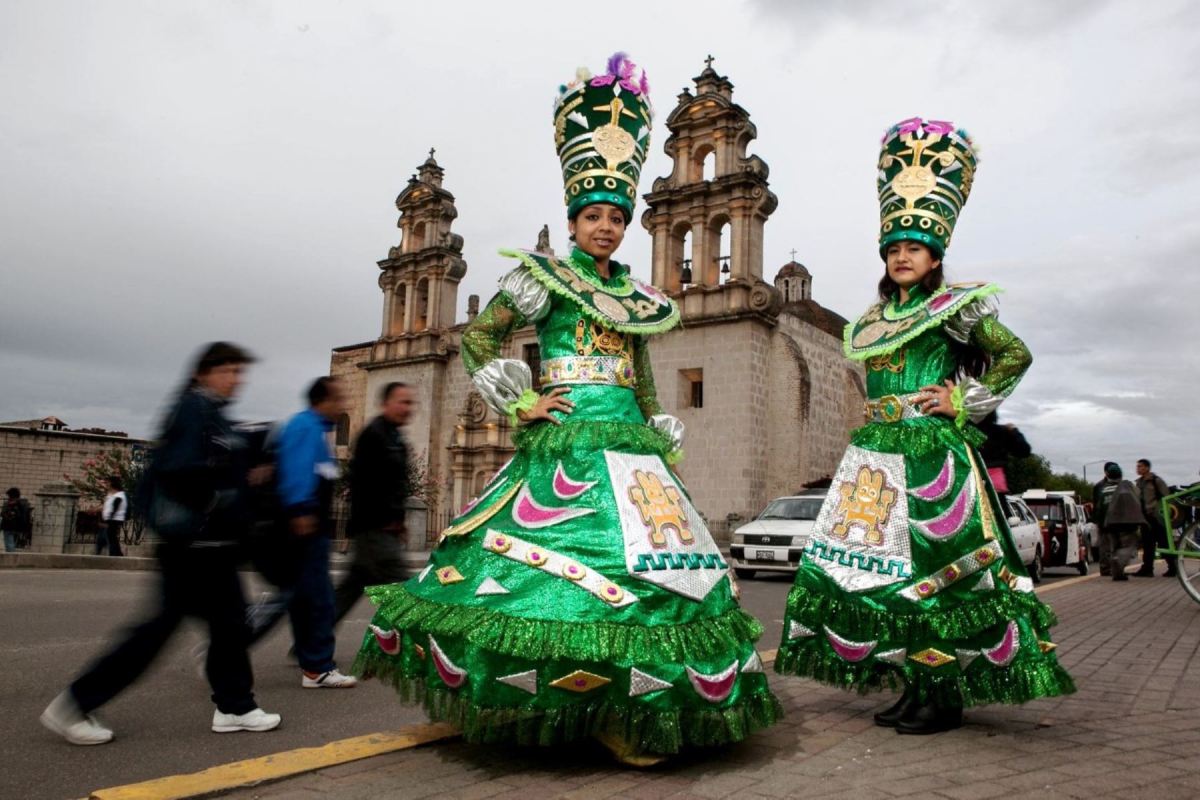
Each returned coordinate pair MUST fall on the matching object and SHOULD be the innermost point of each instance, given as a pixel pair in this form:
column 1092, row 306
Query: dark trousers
column 310, row 604
column 1154, row 534
column 108, row 536
column 197, row 582
column 377, row 559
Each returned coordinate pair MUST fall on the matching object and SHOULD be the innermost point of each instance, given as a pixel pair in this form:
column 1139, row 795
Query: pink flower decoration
column 911, row 125
column 603, row 80
column 938, row 126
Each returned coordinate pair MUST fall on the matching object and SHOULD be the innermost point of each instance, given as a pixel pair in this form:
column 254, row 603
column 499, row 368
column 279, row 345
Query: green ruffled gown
column 580, row 594
column 911, row 572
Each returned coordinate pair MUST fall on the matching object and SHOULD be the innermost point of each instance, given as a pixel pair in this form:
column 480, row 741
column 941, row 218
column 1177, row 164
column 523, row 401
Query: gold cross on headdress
column 617, row 108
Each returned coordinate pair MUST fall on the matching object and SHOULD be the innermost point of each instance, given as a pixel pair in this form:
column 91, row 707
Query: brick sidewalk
column 1132, row 731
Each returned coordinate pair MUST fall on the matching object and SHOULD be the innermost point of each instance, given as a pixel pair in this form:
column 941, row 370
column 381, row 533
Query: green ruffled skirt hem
column 1018, row 683
column 855, row 619
column 653, row 730
column 552, row 639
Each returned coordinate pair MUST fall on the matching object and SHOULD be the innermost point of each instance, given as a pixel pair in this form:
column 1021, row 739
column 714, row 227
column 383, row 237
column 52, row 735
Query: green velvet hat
column 926, row 170
column 602, row 133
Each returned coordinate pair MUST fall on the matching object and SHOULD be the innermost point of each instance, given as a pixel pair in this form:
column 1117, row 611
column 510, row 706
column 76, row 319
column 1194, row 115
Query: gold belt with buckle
column 893, row 408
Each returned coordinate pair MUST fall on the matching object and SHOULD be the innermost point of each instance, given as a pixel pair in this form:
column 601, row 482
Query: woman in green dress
column 580, row 594
column 911, row 577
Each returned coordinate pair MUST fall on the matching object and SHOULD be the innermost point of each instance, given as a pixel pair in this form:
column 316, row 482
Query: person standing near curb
column 112, row 517
column 15, row 519
column 379, row 490
column 1120, row 517
column 197, row 496
column 1151, row 490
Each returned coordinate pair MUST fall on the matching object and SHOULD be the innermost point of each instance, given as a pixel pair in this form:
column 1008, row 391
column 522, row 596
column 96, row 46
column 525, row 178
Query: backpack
column 15, row 516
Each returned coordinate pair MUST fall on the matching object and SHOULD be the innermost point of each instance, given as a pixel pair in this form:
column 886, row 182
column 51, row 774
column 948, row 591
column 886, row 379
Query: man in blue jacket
column 306, row 472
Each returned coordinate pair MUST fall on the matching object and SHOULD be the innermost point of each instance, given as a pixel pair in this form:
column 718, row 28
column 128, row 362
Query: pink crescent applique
column 528, row 513
column 951, row 521
column 1003, row 653
column 451, row 674
column 388, row 641
column 567, row 489
column 848, row 650
column 940, row 486
column 714, row 688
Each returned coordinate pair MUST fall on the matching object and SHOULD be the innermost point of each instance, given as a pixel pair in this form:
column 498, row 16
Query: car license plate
column 764, row 555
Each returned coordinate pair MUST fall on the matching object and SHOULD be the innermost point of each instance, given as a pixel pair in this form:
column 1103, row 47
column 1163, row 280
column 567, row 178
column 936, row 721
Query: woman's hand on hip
column 554, row 401
column 936, row 400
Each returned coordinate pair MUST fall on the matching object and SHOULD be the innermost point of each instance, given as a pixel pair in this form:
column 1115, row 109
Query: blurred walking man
column 379, row 491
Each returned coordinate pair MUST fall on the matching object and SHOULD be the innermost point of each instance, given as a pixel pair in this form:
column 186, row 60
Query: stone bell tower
column 720, row 214
column 420, row 276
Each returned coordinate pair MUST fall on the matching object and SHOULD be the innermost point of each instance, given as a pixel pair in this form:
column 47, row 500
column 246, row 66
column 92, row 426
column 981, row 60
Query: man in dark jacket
column 1151, row 490
column 198, row 470
column 16, row 519
column 379, row 491
column 1119, row 515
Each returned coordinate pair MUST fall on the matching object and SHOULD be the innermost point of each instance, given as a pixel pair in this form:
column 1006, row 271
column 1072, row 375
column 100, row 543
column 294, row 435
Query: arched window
column 399, row 298
column 724, row 260
column 709, row 168
column 342, row 437
column 421, row 306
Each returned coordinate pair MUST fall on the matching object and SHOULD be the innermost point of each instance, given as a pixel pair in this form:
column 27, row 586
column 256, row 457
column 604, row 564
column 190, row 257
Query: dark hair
column 1112, row 470
column 115, row 482
column 628, row 215
column 320, row 390
column 14, row 493
column 390, row 387
column 1145, row 461
column 971, row 360
column 218, row 354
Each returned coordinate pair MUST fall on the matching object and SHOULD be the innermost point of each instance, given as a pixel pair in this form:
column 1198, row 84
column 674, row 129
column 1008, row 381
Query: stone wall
column 30, row 459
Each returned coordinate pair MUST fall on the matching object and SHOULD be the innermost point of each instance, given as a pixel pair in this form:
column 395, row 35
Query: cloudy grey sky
column 179, row 172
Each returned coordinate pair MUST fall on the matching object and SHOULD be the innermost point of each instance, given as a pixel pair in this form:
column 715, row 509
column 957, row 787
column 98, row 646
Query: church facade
column 755, row 371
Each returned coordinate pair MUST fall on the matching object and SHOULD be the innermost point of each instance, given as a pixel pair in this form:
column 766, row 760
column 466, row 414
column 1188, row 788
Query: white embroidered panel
column 666, row 541
column 861, row 537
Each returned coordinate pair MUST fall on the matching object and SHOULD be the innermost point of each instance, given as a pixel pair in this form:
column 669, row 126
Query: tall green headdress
column 602, row 133
column 926, row 170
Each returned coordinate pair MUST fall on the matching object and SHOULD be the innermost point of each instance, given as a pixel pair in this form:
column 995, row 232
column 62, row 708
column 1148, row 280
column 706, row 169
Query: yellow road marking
column 280, row 765
column 1062, row 584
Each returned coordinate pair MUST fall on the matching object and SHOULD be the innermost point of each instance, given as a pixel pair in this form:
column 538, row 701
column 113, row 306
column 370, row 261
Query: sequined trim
column 953, row 520
column 969, row 564
column 604, row 370
column 938, row 488
column 857, row 559
column 556, row 564
column 465, row 526
column 847, row 649
column 716, row 687
column 1003, row 653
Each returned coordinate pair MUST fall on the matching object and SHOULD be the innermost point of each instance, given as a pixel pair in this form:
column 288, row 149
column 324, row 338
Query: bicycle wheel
column 1189, row 567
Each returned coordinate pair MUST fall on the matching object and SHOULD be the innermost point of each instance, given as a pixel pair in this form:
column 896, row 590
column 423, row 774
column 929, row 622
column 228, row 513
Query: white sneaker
column 64, row 718
column 328, row 680
column 254, row 720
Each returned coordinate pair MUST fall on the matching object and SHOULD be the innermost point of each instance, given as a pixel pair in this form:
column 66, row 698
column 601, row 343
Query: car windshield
column 793, row 508
column 1046, row 509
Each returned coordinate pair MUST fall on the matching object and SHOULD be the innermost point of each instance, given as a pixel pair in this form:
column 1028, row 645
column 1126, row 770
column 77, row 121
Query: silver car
column 775, row 540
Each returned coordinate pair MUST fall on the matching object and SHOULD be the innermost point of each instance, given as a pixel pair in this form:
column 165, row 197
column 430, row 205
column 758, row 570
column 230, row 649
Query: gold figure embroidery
column 661, row 508
column 865, row 503
column 892, row 362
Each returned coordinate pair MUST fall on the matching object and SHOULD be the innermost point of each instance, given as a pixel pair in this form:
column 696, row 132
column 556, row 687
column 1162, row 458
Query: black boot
column 930, row 718
column 889, row 718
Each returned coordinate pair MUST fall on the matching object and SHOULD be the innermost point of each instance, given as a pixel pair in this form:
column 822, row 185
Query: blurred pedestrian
column 196, row 497
column 1151, row 490
column 379, row 491
column 1004, row 442
column 16, row 519
column 1119, row 515
column 112, row 517
column 305, row 476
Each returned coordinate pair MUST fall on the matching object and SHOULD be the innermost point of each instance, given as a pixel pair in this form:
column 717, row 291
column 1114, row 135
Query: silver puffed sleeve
column 501, row 382
column 669, row 425
column 977, row 399
column 959, row 326
column 530, row 297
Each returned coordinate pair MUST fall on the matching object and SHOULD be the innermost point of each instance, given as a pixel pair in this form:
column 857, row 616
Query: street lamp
column 1085, row 466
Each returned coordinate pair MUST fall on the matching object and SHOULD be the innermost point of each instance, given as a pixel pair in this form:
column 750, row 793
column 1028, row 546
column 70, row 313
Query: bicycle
column 1180, row 510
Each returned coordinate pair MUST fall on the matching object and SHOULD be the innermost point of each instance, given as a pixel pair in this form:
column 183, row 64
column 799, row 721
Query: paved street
column 1130, row 732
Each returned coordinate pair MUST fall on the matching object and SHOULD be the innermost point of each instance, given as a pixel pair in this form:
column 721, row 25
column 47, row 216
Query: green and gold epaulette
column 626, row 305
column 882, row 329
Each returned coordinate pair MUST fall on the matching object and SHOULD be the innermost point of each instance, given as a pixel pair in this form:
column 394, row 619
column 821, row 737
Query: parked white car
column 1061, row 518
column 1027, row 534
column 775, row 541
